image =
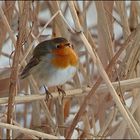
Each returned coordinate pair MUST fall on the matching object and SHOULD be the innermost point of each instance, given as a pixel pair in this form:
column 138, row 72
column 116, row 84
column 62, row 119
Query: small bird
column 53, row 63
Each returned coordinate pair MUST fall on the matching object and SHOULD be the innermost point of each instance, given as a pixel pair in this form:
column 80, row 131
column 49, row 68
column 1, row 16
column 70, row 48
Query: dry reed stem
column 86, row 126
column 60, row 23
column 125, row 84
column 106, row 126
column 130, row 60
column 43, row 104
column 7, row 26
column 137, row 112
column 123, row 15
column 82, row 18
column 8, row 11
column 125, row 113
column 104, row 30
column 123, row 125
column 84, row 68
column 27, row 131
column 133, row 19
column 138, row 9
column 14, row 71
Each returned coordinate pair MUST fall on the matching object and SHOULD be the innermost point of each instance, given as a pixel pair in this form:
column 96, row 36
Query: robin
column 53, row 62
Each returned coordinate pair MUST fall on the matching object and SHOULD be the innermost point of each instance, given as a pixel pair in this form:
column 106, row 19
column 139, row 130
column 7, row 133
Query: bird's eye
column 58, row 46
column 63, row 45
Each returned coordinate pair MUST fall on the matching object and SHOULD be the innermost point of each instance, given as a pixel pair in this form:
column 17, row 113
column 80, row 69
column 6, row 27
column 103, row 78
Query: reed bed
column 102, row 100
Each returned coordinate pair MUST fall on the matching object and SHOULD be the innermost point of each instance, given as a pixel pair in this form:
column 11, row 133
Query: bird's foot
column 61, row 92
column 48, row 94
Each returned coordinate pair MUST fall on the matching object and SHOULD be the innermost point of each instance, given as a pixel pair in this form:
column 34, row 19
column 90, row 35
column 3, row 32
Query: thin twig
column 27, row 131
column 125, row 84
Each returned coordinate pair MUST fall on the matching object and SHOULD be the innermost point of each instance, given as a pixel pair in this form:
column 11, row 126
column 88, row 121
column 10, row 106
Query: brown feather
column 26, row 71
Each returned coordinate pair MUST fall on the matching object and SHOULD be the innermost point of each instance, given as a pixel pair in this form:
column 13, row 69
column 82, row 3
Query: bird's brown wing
column 26, row 71
column 40, row 50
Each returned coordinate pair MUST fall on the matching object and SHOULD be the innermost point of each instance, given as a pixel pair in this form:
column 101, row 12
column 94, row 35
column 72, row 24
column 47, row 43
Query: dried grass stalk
column 14, row 71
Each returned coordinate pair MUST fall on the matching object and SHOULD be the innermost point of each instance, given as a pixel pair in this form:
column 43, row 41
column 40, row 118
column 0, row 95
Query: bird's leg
column 48, row 94
column 61, row 91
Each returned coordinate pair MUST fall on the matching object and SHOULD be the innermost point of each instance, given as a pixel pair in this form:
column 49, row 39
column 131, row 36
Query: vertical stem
column 14, row 70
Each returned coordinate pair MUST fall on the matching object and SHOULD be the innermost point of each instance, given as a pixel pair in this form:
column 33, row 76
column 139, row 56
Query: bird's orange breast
column 64, row 57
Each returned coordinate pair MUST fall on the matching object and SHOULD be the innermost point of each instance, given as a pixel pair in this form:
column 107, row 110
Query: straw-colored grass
column 102, row 100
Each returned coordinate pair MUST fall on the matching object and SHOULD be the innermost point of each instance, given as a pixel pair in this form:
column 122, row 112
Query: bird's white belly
column 55, row 77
